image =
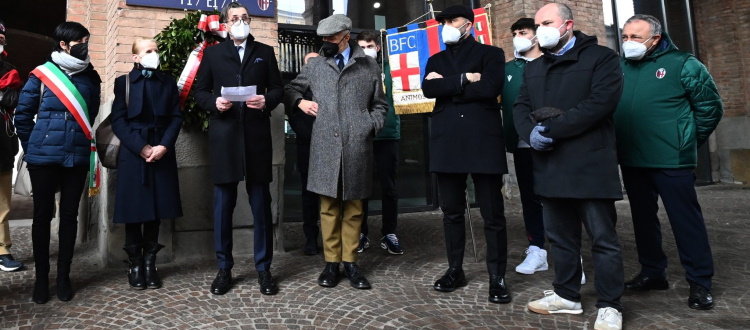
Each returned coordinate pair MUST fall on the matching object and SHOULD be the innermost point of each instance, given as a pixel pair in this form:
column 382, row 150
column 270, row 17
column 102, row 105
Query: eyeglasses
column 245, row 19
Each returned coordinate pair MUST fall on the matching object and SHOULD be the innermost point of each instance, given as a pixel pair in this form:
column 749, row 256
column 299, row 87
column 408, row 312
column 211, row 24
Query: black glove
column 544, row 113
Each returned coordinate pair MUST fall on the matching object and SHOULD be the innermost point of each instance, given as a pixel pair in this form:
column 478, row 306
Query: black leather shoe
column 499, row 292
column 311, row 247
column 356, row 278
column 700, row 297
column 222, row 282
column 267, row 283
column 453, row 278
column 330, row 276
column 646, row 283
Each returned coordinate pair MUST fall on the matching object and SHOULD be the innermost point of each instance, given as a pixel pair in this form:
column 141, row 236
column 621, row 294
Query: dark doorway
column 30, row 25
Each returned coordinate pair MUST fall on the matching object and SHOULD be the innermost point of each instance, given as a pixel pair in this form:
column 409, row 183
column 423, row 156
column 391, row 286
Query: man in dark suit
column 239, row 137
column 467, row 138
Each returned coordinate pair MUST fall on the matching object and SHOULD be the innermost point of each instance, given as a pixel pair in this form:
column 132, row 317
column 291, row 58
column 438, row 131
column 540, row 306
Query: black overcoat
column 586, row 83
column 146, row 191
column 466, row 133
column 239, row 139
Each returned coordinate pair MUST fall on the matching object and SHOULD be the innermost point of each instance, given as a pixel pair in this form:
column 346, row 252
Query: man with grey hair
column 240, row 140
column 564, row 112
column 350, row 109
column 669, row 107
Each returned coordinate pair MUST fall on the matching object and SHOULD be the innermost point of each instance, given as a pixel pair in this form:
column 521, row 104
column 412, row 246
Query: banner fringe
column 414, row 108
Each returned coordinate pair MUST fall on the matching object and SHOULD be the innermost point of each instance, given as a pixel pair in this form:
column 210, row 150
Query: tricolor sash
column 52, row 77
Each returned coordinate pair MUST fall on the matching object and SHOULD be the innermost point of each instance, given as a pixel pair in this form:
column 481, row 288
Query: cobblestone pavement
column 402, row 294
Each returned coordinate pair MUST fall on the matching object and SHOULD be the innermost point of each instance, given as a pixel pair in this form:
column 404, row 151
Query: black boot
column 64, row 290
column 41, row 283
column 136, row 278
column 149, row 259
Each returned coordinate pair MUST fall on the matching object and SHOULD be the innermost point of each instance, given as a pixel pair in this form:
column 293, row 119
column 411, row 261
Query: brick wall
column 722, row 30
column 588, row 17
column 114, row 26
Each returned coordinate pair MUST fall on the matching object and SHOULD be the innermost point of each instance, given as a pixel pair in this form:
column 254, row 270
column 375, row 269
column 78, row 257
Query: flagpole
column 430, row 9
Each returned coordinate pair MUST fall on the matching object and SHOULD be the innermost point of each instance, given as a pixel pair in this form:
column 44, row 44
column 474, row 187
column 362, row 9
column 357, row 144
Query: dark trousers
column 142, row 232
column 562, row 221
column 533, row 218
column 676, row 187
column 386, row 161
column 45, row 179
column 225, row 199
column 452, row 193
column 310, row 200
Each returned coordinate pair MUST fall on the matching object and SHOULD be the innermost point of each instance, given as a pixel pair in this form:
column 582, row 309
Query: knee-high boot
column 40, row 238
column 67, row 234
column 150, row 250
column 136, row 278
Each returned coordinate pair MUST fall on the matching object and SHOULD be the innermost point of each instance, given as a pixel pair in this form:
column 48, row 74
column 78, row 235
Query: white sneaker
column 535, row 261
column 554, row 304
column 608, row 319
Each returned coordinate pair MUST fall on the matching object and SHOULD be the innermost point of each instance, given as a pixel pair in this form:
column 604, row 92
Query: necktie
column 340, row 61
column 239, row 49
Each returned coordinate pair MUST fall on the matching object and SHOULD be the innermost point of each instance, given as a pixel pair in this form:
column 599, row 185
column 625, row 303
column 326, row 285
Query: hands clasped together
column 152, row 154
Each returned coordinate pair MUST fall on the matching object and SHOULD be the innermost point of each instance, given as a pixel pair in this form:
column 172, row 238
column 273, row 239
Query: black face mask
column 330, row 49
column 80, row 51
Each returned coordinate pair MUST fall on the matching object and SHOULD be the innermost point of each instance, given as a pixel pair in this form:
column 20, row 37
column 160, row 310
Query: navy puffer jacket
column 56, row 138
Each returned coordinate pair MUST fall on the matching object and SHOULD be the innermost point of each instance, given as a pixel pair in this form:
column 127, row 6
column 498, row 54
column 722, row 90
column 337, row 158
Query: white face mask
column 150, row 60
column 2, row 48
column 548, row 36
column 240, row 31
column 522, row 44
column 452, row 35
column 635, row 50
column 371, row 52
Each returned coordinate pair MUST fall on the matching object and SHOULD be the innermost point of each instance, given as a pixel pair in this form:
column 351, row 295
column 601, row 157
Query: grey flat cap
column 333, row 24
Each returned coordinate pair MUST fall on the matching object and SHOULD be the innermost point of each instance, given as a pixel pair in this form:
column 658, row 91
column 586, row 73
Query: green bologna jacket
column 511, row 88
column 669, row 107
column 392, row 128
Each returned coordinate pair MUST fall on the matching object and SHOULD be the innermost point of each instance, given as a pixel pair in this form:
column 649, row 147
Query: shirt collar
column 567, row 46
column 243, row 45
column 346, row 53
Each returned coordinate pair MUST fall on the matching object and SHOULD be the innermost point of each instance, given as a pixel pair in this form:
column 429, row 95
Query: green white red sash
column 63, row 88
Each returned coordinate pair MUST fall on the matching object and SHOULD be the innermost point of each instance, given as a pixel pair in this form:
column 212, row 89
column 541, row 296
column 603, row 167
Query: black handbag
column 107, row 143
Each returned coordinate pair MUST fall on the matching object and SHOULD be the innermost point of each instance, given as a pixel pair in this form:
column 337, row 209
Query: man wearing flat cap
column 350, row 109
column 466, row 138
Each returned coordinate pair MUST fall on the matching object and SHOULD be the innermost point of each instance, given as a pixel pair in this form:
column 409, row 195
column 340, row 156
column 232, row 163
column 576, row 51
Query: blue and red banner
column 408, row 51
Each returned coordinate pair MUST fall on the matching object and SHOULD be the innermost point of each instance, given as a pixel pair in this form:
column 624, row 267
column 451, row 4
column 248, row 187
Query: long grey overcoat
column 351, row 111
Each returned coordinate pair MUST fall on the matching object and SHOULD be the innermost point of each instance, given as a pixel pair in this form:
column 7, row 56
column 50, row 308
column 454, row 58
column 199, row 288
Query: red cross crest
column 661, row 73
column 263, row 4
column 404, row 71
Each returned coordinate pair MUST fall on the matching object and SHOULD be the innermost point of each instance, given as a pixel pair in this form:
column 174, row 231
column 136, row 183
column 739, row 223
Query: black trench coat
column 467, row 128
column 146, row 191
column 239, row 139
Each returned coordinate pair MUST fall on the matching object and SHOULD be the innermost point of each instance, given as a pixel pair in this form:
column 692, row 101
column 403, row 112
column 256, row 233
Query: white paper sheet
column 238, row 94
